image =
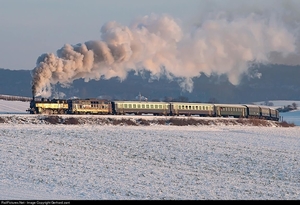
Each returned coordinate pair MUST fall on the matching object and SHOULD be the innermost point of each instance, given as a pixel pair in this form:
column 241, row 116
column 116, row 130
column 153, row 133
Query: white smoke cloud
column 221, row 43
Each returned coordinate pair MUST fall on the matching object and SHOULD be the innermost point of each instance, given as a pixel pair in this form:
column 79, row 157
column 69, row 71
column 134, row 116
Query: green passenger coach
column 188, row 109
column 230, row 110
column 140, row 107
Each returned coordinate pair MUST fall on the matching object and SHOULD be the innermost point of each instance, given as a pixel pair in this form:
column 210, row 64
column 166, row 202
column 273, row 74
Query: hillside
column 277, row 82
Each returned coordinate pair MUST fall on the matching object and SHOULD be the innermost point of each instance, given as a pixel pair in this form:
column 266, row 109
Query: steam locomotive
column 106, row 107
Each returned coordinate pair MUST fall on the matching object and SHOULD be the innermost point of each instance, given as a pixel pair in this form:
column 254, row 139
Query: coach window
column 134, row 106
column 138, row 106
column 152, row 106
column 143, row 106
column 125, row 105
column 147, row 106
column 160, row 106
column 129, row 105
column 156, row 106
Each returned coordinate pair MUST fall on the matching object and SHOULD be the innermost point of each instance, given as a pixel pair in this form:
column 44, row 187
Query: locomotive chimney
column 33, row 93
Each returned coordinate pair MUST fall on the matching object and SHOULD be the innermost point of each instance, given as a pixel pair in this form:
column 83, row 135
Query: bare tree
column 267, row 103
column 213, row 100
column 181, row 99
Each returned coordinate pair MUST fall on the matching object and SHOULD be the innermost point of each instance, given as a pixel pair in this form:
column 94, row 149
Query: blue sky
column 32, row 27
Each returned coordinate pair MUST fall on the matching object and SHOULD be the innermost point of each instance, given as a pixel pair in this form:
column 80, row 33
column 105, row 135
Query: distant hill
column 15, row 82
column 276, row 83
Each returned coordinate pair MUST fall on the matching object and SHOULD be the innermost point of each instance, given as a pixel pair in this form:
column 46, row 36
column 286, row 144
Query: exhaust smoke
column 219, row 44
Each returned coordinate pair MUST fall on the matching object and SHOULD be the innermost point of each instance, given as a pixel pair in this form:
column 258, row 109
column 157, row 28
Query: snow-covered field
column 90, row 162
column 13, row 107
column 149, row 162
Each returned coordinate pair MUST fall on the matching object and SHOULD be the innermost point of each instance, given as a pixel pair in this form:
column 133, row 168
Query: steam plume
column 219, row 44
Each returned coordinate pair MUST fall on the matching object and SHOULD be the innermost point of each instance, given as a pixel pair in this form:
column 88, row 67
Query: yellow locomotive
column 46, row 106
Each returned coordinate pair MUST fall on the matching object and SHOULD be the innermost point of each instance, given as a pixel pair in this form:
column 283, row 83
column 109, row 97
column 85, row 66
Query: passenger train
column 105, row 107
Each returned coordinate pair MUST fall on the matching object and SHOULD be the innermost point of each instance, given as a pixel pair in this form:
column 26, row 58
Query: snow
column 279, row 103
column 13, row 107
column 292, row 117
column 156, row 162
column 98, row 162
